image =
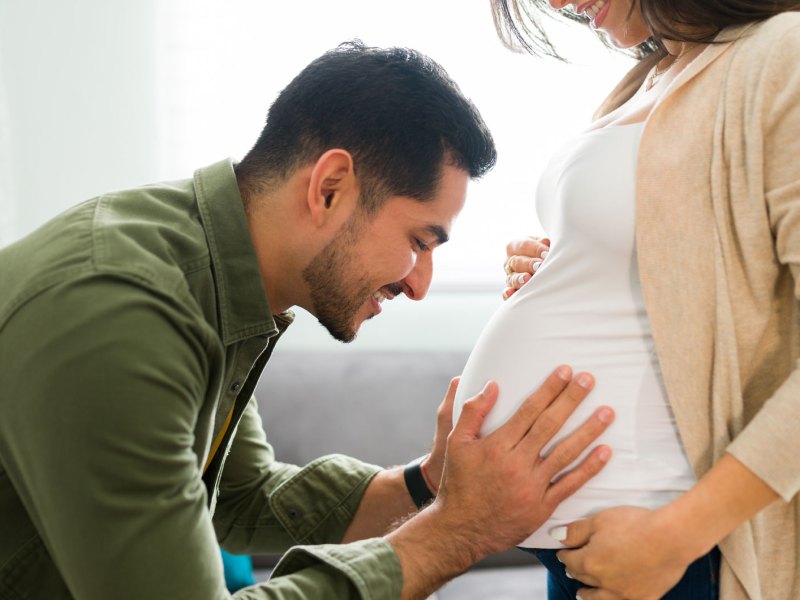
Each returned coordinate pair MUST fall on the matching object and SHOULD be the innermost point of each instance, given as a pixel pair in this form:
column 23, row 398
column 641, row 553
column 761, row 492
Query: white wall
column 105, row 94
column 77, row 104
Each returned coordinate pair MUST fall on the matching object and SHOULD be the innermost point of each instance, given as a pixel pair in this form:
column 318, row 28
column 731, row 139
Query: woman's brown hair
column 520, row 27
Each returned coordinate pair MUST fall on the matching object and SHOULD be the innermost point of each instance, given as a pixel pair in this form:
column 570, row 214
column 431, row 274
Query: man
column 133, row 329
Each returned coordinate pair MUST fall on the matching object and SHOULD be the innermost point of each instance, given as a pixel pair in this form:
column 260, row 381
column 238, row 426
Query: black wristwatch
column 415, row 482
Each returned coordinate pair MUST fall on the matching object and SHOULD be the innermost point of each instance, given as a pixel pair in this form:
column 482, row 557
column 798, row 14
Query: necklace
column 655, row 73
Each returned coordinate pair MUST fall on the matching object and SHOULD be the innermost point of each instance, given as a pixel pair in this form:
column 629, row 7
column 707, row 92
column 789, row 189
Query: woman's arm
column 632, row 552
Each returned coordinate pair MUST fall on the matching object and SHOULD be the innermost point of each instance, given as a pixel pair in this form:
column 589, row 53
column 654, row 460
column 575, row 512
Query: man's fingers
column 571, row 447
column 474, row 412
column 535, row 404
column 556, row 414
column 571, row 482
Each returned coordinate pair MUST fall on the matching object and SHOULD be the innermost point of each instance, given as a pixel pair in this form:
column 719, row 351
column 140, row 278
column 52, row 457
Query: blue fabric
column 238, row 571
column 700, row 582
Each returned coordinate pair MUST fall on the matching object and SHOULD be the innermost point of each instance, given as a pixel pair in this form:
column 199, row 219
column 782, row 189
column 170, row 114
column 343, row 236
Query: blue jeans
column 700, row 582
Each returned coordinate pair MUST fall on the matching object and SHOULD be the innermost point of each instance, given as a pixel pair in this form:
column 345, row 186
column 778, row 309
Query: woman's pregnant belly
column 540, row 328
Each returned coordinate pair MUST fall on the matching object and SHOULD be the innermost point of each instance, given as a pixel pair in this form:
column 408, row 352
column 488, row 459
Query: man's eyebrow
column 439, row 233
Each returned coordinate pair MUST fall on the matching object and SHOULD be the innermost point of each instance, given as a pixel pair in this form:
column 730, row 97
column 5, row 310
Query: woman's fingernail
column 536, row 265
column 559, row 534
column 568, row 575
column 578, row 596
column 544, row 254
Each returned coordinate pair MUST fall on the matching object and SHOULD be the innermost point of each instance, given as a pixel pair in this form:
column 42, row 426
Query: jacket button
column 294, row 513
column 235, row 387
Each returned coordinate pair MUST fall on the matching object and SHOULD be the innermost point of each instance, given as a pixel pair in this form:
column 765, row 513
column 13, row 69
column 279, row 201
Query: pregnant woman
column 675, row 227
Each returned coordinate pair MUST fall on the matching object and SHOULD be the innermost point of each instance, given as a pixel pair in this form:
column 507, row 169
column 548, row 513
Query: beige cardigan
column 718, row 237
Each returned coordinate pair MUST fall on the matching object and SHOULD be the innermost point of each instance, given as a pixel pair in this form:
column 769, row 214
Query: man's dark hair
column 395, row 110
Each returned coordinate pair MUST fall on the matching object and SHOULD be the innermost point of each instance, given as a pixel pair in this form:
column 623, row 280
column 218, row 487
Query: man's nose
column 418, row 281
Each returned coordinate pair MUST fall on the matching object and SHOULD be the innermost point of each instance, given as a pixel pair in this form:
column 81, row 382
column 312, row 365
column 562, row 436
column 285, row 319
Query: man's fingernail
column 604, row 454
column 584, row 380
column 559, row 534
column 564, row 372
column 605, row 415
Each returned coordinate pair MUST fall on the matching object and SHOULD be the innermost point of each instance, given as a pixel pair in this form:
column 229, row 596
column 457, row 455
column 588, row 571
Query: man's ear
column 332, row 187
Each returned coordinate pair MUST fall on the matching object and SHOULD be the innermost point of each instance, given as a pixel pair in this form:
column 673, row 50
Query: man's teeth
column 595, row 8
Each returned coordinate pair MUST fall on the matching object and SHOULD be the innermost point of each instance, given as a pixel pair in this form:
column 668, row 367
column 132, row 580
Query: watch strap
column 415, row 482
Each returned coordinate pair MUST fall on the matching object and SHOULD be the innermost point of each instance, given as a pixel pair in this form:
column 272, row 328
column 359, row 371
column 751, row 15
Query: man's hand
column 628, row 552
column 524, row 257
column 501, row 481
column 496, row 490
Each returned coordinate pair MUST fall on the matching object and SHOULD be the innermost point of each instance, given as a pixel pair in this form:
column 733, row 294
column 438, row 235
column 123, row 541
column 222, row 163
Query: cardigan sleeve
column 776, row 124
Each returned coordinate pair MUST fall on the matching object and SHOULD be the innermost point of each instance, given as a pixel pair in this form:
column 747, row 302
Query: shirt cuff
column 371, row 566
column 317, row 504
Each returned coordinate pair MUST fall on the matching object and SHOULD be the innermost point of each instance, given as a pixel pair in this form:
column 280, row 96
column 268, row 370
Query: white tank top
column 584, row 307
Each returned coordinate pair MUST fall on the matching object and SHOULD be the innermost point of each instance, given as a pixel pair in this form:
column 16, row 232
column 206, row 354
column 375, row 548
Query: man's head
column 386, row 135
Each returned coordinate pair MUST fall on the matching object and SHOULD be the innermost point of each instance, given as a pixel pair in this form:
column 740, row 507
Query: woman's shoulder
column 768, row 49
column 781, row 29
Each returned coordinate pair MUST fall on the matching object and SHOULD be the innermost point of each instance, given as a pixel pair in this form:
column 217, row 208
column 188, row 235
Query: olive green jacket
column 132, row 327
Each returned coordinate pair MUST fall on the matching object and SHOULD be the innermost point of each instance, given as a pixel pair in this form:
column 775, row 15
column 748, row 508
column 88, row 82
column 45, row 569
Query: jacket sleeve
column 769, row 445
column 267, row 506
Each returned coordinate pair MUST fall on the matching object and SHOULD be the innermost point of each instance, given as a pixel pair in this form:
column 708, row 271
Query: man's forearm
column 385, row 501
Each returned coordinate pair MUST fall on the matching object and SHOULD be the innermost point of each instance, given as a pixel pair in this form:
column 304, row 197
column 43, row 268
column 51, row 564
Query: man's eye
column 423, row 247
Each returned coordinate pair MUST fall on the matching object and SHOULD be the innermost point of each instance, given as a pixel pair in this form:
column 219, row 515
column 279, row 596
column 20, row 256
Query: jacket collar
column 242, row 302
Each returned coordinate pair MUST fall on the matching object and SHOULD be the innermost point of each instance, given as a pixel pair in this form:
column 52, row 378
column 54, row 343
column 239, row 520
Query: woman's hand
column 525, row 256
column 625, row 552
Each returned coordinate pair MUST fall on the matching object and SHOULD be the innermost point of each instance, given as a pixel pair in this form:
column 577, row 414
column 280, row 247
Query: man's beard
column 337, row 292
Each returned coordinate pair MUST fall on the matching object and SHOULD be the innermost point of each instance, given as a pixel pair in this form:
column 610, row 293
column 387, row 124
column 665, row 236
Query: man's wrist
column 417, row 483
column 432, row 549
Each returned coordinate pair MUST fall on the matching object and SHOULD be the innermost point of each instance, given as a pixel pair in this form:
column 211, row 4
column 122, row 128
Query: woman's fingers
column 525, row 257
column 517, row 280
column 519, row 263
column 527, row 246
